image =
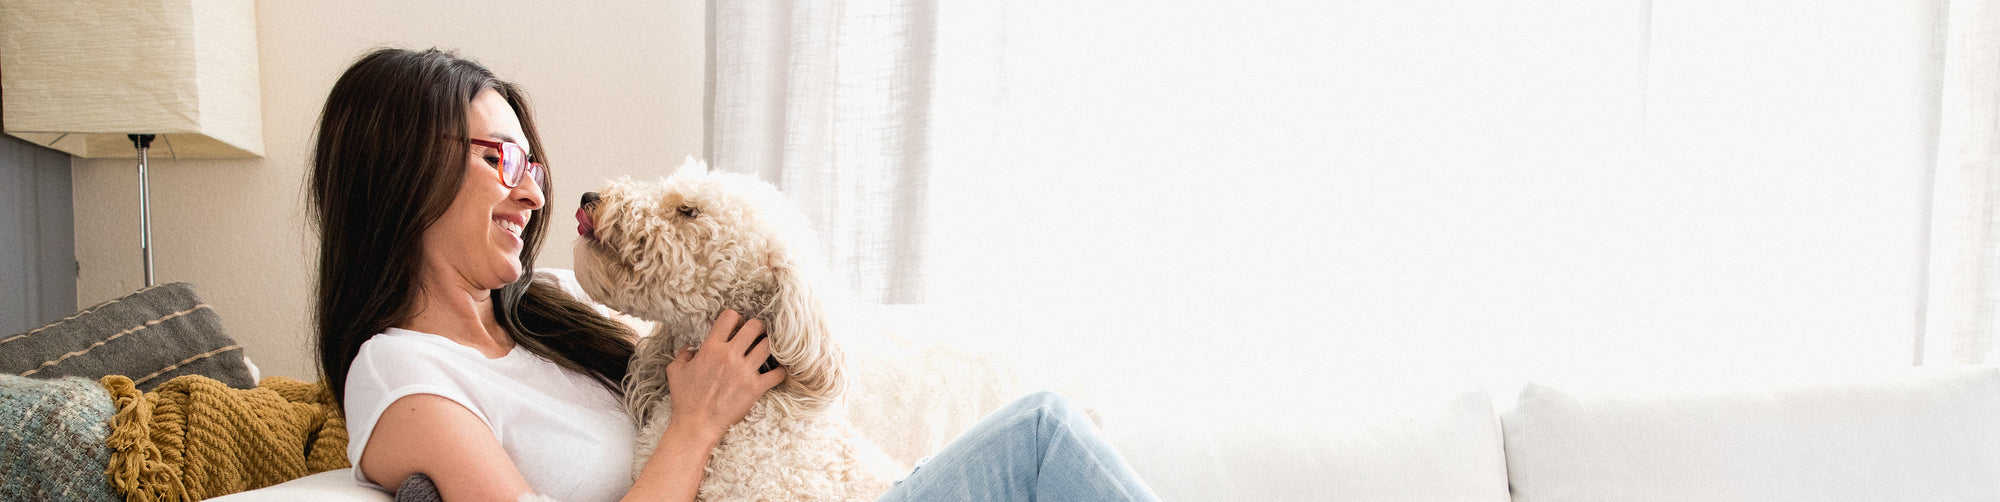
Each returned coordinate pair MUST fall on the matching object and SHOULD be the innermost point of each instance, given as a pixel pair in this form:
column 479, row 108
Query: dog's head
column 680, row 251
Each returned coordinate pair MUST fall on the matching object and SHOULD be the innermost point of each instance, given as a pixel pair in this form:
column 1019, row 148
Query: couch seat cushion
column 1931, row 435
column 1440, row 446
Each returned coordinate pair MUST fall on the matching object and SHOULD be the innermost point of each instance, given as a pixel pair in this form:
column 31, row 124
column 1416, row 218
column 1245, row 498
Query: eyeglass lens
column 513, row 160
column 514, row 165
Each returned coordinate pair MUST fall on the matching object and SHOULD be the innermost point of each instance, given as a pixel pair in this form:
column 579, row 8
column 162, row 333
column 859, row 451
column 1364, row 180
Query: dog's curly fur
column 679, row 252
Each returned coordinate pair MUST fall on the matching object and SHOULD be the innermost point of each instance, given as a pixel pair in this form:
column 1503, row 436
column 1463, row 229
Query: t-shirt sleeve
column 387, row 369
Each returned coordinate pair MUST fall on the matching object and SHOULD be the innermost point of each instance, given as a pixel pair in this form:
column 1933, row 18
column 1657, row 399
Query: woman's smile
column 511, row 224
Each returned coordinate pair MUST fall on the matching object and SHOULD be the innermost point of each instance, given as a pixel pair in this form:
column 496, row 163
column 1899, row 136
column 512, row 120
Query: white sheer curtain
column 1965, row 255
column 831, row 101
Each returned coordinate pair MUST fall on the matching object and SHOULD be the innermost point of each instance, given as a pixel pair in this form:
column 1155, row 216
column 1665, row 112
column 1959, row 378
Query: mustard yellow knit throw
column 194, row 437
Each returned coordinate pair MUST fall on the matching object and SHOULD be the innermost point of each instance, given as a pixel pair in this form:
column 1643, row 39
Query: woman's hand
column 713, row 388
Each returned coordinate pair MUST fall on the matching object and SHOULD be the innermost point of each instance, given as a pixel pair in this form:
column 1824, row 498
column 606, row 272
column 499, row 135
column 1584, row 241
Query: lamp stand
column 142, row 142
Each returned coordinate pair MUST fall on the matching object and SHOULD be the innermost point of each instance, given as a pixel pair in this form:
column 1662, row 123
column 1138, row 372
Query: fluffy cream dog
column 679, row 252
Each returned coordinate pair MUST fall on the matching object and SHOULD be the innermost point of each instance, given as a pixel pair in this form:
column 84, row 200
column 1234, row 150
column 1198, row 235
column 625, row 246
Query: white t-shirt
column 567, row 434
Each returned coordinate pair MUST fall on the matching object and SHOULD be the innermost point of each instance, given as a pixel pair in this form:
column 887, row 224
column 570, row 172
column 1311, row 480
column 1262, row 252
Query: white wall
column 617, row 88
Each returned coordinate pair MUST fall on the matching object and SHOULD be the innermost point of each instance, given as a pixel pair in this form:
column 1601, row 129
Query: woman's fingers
column 680, row 360
column 713, row 390
column 747, row 334
column 759, row 347
column 759, row 351
column 744, row 336
column 729, row 325
column 725, row 325
column 773, row 378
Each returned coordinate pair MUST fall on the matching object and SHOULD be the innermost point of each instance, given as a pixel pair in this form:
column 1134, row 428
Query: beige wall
column 617, row 88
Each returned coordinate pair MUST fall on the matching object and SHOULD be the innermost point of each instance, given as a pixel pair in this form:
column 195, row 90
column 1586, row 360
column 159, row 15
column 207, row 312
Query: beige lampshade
column 78, row 76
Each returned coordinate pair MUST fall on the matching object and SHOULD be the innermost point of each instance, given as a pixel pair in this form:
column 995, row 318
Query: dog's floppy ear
column 802, row 340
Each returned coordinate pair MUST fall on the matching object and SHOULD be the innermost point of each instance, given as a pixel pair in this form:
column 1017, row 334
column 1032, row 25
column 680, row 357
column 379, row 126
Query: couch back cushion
column 1928, row 434
column 1432, row 447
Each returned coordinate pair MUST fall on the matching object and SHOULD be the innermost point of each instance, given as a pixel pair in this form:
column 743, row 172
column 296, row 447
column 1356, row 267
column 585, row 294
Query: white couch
column 1902, row 435
column 1908, row 435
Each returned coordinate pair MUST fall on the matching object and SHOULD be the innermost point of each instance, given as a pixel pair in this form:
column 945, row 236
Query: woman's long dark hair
column 390, row 157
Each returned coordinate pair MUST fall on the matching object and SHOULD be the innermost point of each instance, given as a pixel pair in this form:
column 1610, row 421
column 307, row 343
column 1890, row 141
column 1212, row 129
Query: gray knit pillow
column 418, row 488
column 152, row 335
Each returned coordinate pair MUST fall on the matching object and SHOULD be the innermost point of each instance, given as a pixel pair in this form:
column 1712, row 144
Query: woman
column 428, row 189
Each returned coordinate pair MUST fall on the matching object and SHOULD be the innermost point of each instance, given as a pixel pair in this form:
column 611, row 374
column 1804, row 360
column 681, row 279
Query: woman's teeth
column 510, row 227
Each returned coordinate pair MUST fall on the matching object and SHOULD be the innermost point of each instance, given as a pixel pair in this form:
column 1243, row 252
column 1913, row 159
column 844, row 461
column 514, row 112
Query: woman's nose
column 530, row 192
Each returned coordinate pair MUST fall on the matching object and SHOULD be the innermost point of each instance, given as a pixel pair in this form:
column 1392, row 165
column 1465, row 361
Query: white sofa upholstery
column 1904, row 435
column 331, row 486
column 1901, row 435
column 1919, row 434
column 1446, row 448
column 909, row 397
column 1931, row 435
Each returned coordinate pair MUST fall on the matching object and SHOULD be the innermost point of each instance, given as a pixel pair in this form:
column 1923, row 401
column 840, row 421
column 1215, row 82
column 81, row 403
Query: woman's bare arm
column 436, row 436
column 675, row 469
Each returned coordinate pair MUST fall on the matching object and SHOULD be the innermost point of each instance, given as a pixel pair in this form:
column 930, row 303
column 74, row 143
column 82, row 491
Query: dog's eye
column 691, row 211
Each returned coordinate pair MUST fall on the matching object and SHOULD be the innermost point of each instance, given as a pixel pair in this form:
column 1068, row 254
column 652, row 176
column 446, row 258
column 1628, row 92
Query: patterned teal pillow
column 52, row 440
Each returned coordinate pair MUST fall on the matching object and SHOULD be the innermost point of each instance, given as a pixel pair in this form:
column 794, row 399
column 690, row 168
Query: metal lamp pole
column 144, row 142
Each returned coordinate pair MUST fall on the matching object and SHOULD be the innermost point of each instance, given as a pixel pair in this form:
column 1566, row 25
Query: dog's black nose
column 589, row 197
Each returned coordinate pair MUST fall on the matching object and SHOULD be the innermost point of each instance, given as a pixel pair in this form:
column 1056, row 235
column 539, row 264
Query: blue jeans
column 1039, row 448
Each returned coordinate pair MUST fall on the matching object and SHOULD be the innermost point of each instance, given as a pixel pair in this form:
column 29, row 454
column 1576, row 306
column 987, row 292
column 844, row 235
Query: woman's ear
column 801, row 339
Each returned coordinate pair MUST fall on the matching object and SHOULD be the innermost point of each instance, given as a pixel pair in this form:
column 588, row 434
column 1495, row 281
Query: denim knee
column 1050, row 405
column 1045, row 397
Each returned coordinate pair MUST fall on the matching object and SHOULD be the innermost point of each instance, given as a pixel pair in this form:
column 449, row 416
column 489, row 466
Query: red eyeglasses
column 510, row 162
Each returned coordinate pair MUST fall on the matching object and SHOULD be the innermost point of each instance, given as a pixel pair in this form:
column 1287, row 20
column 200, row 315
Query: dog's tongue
column 583, row 225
